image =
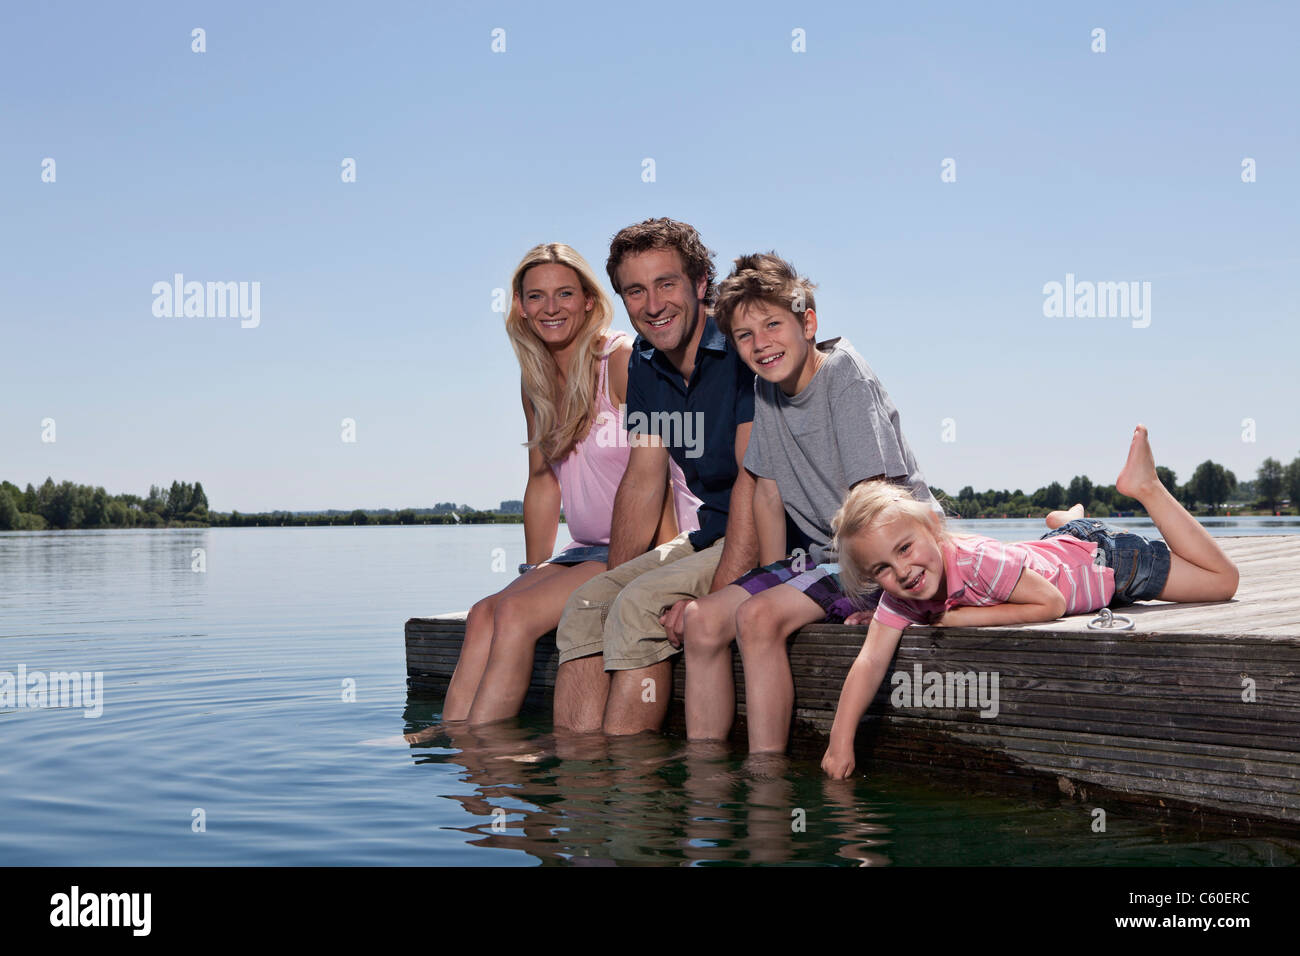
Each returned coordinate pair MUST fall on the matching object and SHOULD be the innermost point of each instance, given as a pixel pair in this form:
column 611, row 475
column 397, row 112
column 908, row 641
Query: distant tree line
column 300, row 519
column 1210, row 488
column 68, row 505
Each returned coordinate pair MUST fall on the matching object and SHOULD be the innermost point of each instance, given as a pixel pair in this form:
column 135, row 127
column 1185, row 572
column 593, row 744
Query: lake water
column 242, row 705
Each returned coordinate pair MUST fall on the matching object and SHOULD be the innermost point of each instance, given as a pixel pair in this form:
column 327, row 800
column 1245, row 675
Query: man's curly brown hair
column 697, row 259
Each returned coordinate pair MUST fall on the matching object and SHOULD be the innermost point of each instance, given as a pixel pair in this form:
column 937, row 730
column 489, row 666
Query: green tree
column 118, row 515
column 97, row 509
column 198, row 500
column 44, row 499
column 1211, row 483
column 176, row 501
column 63, row 510
column 1079, row 492
column 358, row 517
column 1049, row 497
column 1293, row 482
column 1271, row 479
column 10, row 516
column 1168, row 479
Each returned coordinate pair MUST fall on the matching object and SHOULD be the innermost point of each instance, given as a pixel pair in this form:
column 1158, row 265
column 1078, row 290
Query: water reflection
column 590, row 800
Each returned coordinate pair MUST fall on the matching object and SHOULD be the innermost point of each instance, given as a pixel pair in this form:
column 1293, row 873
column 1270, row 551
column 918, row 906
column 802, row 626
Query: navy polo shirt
column 697, row 421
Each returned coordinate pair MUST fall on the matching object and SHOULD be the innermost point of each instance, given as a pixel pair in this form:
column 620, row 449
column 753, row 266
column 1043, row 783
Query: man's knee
column 582, row 623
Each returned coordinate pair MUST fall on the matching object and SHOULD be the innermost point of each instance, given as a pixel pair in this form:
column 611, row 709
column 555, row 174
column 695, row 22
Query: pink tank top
column 590, row 474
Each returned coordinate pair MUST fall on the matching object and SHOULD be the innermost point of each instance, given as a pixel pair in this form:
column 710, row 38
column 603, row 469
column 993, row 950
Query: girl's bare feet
column 1138, row 476
column 1198, row 568
column 1057, row 518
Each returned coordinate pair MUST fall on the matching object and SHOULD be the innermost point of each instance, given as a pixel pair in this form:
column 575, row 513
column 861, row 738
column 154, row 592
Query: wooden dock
column 1194, row 714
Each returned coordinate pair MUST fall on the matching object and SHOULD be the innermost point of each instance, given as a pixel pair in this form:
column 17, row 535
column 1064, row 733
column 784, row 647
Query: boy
column 822, row 423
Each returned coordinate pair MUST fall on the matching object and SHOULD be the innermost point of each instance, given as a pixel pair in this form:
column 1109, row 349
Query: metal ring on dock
column 1106, row 621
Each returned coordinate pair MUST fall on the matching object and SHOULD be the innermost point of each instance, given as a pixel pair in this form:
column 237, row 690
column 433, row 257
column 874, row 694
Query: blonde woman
column 574, row 385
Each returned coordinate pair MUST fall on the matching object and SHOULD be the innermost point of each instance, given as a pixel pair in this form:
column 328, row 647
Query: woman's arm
column 541, row 499
column 769, row 521
column 860, row 687
column 1033, row 599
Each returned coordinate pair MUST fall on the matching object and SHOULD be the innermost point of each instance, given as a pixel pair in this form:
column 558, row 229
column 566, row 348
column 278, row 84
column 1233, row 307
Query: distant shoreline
column 316, row 521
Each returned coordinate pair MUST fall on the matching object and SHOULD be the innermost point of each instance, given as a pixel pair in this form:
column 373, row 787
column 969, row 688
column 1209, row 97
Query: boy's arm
column 740, row 549
column 769, row 521
column 1033, row 599
column 865, row 677
column 541, row 500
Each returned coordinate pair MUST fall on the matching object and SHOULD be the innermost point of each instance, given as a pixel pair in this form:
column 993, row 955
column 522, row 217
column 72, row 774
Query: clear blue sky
column 376, row 295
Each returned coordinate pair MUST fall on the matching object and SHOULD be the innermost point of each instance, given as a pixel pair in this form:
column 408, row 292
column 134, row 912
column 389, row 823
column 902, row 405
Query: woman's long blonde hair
column 560, row 419
column 867, row 505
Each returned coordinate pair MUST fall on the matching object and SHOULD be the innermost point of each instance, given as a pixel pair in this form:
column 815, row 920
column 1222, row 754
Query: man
column 688, row 396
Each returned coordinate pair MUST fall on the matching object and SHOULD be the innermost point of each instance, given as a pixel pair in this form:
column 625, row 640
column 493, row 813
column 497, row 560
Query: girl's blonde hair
column 560, row 418
column 868, row 505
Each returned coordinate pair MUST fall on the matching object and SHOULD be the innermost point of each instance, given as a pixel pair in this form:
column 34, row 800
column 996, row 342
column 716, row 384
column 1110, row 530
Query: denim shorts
column 581, row 553
column 1141, row 567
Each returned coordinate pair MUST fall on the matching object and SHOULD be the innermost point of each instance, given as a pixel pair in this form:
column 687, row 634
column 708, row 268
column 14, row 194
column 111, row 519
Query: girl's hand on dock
column 838, row 766
column 859, row 617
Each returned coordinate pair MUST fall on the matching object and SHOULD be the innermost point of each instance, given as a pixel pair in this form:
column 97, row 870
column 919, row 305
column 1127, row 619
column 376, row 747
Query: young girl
column 928, row 575
column 574, row 381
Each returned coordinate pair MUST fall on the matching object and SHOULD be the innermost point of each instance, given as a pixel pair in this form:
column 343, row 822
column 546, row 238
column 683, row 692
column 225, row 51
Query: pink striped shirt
column 980, row 571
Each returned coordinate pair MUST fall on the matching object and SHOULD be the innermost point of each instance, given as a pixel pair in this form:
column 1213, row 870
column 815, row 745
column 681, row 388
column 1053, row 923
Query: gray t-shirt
column 841, row 429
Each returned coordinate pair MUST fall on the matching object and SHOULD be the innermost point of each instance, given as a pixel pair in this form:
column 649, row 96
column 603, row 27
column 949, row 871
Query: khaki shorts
column 617, row 613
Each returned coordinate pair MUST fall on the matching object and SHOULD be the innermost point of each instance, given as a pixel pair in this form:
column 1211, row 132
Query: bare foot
column 1138, row 476
column 535, row 757
column 1057, row 518
column 425, row 735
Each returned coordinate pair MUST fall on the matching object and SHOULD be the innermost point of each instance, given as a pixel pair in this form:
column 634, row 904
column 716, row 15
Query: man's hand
column 837, row 764
column 673, row 620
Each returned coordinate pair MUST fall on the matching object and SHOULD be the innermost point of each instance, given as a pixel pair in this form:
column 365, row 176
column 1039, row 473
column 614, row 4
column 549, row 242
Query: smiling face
column 663, row 304
column 903, row 557
column 776, row 343
column 552, row 301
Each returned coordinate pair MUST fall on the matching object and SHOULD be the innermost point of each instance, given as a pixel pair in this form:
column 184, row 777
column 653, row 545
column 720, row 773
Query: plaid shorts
column 821, row 583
